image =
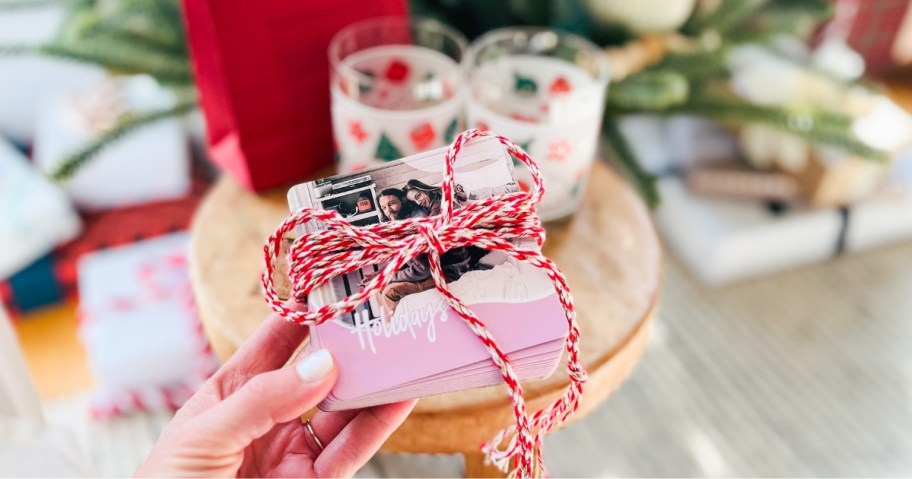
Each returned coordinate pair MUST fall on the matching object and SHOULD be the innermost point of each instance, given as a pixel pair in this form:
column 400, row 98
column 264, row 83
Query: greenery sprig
column 125, row 37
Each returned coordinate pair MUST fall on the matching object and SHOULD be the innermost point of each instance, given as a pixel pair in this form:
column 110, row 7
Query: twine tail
column 510, row 460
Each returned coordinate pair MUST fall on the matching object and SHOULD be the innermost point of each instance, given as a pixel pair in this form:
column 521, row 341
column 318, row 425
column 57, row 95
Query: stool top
column 608, row 251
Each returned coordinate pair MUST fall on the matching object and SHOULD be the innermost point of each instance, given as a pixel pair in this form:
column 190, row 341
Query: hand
column 245, row 421
column 366, row 279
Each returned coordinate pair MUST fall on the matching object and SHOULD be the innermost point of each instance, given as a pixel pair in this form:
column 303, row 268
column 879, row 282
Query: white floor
column 806, row 373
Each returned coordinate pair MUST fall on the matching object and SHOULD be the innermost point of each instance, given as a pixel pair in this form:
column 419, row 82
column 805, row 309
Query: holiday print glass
column 545, row 90
column 397, row 89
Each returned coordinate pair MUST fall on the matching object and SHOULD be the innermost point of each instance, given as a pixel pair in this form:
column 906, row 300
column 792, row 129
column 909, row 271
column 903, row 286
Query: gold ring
column 313, row 434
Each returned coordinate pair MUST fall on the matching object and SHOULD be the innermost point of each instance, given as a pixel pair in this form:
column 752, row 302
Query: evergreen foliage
column 126, row 37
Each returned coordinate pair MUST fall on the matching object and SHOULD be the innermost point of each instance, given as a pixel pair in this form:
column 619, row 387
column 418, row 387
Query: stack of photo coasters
column 406, row 341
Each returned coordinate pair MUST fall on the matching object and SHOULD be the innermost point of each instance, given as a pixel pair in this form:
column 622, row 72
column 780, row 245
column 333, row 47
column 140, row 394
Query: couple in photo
column 417, row 200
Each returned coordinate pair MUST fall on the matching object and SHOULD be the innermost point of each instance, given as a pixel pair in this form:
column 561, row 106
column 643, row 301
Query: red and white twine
column 315, row 258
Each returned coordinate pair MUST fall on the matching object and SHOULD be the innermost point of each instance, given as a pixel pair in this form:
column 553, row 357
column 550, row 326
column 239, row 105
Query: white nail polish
column 315, row 366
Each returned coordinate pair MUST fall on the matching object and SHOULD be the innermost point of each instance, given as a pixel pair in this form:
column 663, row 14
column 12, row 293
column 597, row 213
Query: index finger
column 270, row 346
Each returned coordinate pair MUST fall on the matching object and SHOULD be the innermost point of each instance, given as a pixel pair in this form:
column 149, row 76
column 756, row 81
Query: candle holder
column 397, row 89
column 544, row 89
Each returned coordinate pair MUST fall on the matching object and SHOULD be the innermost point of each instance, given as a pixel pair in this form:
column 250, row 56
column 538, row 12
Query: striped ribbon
column 492, row 223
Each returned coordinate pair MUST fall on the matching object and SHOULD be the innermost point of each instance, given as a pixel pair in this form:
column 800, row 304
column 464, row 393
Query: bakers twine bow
column 315, row 258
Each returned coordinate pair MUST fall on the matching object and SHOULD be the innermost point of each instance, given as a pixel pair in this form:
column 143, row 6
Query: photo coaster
column 406, row 342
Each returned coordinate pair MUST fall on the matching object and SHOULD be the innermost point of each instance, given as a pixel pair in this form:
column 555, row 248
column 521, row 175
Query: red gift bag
column 263, row 76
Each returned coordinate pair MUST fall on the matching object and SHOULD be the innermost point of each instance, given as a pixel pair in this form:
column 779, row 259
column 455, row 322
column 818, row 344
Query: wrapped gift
column 35, row 286
column 828, row 176
column 263, row 74
column 53, row 278
column 26, row 80
column 138, row 322
column 35, row 215
column 721, row 240
column 149, row 164
column 677, row 142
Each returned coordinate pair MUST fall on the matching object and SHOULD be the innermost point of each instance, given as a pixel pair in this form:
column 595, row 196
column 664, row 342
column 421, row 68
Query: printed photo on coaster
column 409, row 322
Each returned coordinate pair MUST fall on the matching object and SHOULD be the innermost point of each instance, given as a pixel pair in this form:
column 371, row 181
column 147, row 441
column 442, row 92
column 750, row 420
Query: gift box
column 721, row 240
column 138, row 322
column 827, row 176
column 53, row 278
column 26, row 80
column 35, row 214
column 677, row 142
column 149, row 164
column 263, row 75
column 33, row 287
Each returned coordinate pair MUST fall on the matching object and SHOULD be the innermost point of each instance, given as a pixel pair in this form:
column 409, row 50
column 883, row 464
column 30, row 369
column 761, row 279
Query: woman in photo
column 429, row 197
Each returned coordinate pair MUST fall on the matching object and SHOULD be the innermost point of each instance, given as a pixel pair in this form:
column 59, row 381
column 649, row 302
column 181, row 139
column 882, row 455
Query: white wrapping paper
column 140, row 327
column 27, row 80
column 722, row 240
column 35, row 214
column 148, row 164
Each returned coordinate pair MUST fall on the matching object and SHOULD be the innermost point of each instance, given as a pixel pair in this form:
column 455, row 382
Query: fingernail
column 315, row 366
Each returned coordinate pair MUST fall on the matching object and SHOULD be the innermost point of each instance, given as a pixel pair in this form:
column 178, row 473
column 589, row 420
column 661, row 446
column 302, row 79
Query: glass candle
column 397, row 89
column 545, row 90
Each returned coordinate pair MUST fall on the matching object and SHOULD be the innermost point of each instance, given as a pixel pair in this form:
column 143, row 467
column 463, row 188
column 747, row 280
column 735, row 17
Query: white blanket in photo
column 508, row 281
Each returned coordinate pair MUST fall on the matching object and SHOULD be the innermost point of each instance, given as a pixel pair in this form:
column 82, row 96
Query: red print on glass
column 397, row 71
column 559, row 85
column 357, row 131
column 422, row 136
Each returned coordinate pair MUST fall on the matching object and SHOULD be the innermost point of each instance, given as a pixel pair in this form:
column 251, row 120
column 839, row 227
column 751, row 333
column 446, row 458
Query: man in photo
column 393, row 205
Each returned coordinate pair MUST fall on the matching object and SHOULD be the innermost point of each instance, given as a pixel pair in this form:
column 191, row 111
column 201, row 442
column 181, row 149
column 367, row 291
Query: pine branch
column 648, row 90
column 624, row 159
column 729, row 14
column 16, row 5
column 154, row 21
column 128, row 27
column 77, row 159
column 782, row 17
column 822, row 127
column 169, row 11
column 697, row 66
column 14, row 50
column 154, row 44
column 123, row 59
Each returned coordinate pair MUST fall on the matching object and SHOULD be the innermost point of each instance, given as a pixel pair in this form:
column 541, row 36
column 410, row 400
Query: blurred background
column 771, row 139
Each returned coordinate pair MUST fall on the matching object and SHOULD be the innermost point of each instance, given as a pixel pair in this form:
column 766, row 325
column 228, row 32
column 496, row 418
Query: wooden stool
column 609, row 252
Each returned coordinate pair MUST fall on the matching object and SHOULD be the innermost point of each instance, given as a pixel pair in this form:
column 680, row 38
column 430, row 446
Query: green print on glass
column 386, row 150
column 450, row 132
column 366, row 82
column 525, row 147
column 524, row 86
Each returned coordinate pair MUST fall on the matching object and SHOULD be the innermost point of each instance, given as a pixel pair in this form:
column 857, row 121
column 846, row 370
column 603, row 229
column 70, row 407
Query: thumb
column 271, row 398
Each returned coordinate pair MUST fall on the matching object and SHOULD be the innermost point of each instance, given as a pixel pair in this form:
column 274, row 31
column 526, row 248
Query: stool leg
column 475, row 466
